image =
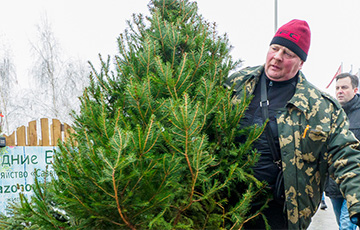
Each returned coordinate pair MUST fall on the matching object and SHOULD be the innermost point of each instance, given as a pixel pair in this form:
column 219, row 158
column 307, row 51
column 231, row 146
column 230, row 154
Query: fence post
column 21, row 136
column 32, row 134
column 44, row 132
column 55, row 131
column 10, row 140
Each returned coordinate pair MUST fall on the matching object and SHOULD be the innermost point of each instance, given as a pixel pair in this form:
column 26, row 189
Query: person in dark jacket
column 346, row 94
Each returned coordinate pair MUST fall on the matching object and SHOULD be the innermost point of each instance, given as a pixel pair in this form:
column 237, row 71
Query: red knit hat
column 294, row 35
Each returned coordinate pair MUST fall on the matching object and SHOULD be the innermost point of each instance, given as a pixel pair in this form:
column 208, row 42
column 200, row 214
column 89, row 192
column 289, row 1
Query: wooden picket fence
column 49, row 135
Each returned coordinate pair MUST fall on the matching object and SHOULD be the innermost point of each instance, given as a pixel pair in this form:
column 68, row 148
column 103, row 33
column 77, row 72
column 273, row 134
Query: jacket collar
column 353, row 104
column 304, row 90
column 303, row 93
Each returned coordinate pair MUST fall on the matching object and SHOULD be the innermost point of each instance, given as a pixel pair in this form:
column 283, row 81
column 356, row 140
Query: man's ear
column 301, row 64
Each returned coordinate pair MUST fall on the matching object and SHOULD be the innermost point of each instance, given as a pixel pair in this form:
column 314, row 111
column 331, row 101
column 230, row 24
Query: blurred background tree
column 8, row 83
column 55, row 83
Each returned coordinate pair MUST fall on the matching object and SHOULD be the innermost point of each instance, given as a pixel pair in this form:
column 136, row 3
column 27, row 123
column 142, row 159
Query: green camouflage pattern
column 314, row 140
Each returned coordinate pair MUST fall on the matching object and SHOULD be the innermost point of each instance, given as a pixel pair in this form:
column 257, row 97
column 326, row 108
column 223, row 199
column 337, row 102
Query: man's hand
column 355, row 219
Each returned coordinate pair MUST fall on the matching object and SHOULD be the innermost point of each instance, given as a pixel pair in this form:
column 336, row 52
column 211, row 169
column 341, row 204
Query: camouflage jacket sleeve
column 247, row 77
column 344, row 160
column 314, row 139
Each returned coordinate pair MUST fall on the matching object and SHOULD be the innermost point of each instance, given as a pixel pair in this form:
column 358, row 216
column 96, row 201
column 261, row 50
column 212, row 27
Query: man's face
column 281, row 63
column 344, row 90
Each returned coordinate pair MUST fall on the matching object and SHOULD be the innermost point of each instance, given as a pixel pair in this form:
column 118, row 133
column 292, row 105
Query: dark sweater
column 279, row 93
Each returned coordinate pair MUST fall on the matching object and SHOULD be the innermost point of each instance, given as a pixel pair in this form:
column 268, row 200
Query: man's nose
column 279, row 55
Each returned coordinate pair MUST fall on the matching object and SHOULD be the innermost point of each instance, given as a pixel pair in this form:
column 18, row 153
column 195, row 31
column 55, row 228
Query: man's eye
column 289, row 55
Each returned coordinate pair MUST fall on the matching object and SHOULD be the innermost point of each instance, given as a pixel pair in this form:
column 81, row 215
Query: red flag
column 1, row 115
column 339, row 71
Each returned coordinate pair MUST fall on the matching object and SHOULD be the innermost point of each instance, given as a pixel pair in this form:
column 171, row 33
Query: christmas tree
column 154, row 144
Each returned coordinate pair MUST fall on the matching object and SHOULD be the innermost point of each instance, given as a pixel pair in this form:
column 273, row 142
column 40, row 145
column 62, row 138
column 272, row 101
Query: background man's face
column 344, row 90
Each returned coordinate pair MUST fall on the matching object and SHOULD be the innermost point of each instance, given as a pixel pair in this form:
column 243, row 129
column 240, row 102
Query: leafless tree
column 58, row 82
column 46, row 64
column 8, row 84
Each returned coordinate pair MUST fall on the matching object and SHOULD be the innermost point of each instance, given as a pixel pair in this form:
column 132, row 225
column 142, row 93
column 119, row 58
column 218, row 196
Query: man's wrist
column 355, row 219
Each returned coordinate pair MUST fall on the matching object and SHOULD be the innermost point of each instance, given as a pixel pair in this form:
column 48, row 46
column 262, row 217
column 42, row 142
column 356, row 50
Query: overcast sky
column 86, row 28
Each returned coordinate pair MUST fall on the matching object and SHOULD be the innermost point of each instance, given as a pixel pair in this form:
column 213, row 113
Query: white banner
column 18, row 166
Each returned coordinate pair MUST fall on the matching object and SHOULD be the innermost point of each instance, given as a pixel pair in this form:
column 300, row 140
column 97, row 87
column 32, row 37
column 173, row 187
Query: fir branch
column 118, row 203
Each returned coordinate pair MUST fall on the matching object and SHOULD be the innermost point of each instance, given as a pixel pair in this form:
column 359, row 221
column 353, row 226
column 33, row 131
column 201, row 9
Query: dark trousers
column 275, row 215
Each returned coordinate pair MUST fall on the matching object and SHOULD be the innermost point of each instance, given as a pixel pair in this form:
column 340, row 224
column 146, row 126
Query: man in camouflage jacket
column 313, row 134
column 327, row 145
